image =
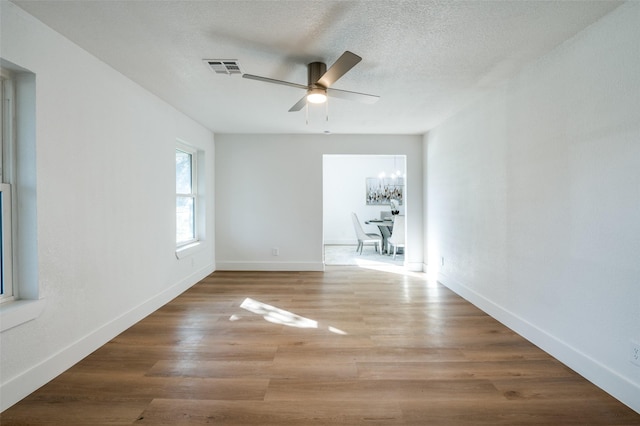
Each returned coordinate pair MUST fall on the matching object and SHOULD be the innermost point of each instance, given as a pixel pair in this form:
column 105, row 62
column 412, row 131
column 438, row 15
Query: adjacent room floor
column 347, row 255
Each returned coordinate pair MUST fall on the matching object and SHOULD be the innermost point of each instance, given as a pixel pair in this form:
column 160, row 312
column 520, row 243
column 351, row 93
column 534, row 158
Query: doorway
column 347, row 184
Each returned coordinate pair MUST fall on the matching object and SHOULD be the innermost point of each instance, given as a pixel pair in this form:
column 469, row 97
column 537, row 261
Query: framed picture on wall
column 380, row 191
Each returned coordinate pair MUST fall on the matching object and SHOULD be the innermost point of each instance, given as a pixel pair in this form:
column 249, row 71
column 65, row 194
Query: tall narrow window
column 7, row 111
column 186, row 189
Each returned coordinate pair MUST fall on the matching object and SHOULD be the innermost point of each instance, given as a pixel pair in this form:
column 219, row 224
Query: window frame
column 8, row 292
column 6, row 247
column 193, row 195
column 20, row 170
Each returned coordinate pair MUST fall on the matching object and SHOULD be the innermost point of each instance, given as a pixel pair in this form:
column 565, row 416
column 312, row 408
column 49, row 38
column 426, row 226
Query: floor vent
column 224, row 66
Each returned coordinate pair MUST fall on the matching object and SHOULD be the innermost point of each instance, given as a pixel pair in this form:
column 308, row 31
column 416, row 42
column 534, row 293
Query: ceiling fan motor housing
column 315, row 70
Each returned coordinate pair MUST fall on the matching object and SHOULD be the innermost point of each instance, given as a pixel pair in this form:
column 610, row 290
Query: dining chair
column 397, row 235
column 363, row 237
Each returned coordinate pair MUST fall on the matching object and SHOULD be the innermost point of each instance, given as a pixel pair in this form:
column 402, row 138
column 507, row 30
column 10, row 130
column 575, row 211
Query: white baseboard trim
column 599, row 374
column 22, row 385
column 230, row 265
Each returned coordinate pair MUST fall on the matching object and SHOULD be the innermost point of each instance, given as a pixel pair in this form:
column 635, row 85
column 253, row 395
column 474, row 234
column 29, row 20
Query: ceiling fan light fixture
column 319, row 82
column 317, row 96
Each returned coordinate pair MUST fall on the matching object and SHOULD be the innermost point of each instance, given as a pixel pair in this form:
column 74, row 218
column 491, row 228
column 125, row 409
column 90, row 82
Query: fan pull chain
column 326, row 109
column 306, row 113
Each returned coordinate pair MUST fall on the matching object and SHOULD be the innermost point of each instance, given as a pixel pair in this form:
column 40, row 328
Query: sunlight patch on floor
column 276, row 315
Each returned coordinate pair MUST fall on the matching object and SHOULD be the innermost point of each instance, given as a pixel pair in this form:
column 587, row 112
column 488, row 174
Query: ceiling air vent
column 224, row 66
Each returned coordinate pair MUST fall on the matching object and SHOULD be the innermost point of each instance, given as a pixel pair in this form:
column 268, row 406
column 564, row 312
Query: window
column 19, row 280
column 186, row 200
column 6, row 150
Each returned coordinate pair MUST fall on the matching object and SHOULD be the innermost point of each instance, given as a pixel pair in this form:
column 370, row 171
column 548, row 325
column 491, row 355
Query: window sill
column 13, row 314
column 188, row 250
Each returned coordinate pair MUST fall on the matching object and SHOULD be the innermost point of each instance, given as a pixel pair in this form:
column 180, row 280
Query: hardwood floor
column 348, row 346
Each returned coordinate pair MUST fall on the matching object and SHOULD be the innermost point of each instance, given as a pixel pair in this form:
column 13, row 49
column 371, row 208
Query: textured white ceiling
column 426, row 59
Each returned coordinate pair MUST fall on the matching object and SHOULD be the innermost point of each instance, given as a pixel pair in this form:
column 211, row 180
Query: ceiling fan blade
column 344, row 63
column 353, row 96
column 272, row 80
column 299, row 105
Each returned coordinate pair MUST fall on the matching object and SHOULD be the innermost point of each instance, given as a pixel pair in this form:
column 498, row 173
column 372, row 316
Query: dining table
column 385, row 227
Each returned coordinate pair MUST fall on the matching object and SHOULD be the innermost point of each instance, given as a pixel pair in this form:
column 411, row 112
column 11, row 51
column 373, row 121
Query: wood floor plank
column 212, row 369
column 348, row 346
column 280, row 413
column 292, row 355
column 511, row 412
column 73, row 412
column 380, row 390
column 107, row 386
column 438, row 370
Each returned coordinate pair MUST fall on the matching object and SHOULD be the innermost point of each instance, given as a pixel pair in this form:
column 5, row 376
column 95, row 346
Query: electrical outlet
column 635, row 353
column 275, row 251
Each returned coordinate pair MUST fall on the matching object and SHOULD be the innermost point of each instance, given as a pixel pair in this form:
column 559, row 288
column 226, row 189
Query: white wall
column 344, row 191
column 105, row 205
column 269, row 194
column 534, row 202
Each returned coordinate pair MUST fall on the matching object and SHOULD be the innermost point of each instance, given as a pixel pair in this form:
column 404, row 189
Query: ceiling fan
column 319, row 81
